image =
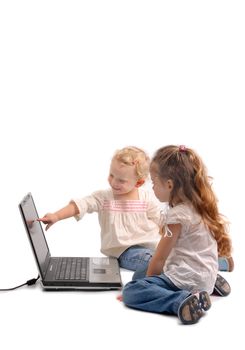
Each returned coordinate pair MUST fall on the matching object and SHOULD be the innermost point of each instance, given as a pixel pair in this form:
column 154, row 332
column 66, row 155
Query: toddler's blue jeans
column 135, row 257
column 138, row 258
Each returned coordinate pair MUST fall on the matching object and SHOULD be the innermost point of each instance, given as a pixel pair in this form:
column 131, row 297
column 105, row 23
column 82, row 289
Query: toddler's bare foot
column 120, row 297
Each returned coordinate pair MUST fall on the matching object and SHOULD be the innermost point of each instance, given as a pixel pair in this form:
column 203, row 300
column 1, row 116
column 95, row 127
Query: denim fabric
column 154, row 294
column 140, row 273
column 223, row 264
column 138, row 258
column 135, row 257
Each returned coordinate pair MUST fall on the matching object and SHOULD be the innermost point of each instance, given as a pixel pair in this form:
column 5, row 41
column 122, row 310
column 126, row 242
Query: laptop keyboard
column 72, row 269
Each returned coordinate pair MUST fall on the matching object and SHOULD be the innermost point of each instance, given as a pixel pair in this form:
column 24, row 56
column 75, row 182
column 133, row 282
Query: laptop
column 64, row 273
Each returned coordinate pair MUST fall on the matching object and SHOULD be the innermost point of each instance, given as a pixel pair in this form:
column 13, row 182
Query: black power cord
column 28, row 283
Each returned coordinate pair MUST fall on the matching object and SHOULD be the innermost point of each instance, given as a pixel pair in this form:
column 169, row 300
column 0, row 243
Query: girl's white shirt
column 193, row 261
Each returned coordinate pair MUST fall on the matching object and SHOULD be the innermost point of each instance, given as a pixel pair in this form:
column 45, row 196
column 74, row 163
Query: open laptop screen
column 35, row 232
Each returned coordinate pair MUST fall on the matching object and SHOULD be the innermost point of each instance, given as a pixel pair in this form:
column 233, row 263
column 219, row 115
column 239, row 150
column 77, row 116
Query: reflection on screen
column 35, row 231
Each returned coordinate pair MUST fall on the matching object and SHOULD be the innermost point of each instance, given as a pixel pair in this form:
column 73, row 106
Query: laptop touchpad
column 99, row 271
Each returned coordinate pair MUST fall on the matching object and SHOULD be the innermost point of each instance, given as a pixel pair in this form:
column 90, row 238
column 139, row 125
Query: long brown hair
column 190, row 182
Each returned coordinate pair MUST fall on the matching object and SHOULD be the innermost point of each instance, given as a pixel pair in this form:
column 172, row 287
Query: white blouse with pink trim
column 123, row 223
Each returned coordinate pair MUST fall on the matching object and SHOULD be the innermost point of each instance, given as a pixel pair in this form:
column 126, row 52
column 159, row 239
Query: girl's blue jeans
column 155, row 293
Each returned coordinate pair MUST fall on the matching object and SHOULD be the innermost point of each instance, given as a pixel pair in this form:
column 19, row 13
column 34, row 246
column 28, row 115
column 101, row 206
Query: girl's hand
column 49, row 219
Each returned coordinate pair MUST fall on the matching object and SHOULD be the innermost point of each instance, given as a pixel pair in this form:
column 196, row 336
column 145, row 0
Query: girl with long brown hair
column 183, row 270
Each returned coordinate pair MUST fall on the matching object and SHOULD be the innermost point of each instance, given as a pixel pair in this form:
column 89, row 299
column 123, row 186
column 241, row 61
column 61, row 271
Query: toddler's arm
column 51, row 218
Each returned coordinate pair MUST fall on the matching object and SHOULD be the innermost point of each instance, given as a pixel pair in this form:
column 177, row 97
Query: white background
column 78, row 80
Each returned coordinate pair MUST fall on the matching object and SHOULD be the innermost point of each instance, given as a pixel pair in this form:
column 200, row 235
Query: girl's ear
column 170, row 184
column 140, row 183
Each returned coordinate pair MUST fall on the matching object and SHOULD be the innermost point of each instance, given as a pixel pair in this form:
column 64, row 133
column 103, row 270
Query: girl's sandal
column 221, row 287
column 204, row 300
column 190, row 310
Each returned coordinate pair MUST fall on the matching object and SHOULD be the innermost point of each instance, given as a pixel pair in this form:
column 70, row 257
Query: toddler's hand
column 49, row 219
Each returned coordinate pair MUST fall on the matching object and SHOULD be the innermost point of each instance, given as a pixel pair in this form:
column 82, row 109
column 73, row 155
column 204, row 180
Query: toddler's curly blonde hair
column 134, row 156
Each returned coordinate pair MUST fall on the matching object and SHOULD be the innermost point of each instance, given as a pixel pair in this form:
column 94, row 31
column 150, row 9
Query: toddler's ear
column 140, row 183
